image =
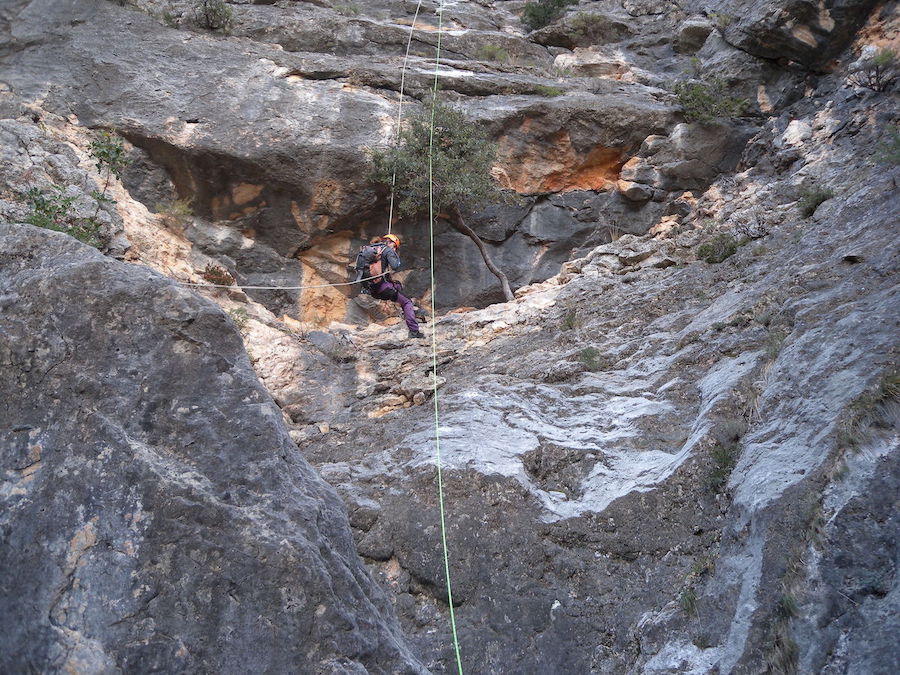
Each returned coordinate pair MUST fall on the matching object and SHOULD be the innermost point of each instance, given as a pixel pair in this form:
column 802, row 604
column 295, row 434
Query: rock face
column 676, row 452
column 150, row 489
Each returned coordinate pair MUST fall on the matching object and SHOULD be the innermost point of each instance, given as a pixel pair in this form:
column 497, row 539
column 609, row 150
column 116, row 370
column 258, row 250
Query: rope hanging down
column 412, row 28
column 437, row 425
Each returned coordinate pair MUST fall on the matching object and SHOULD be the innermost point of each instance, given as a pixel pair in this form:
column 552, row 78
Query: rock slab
column 154, row 513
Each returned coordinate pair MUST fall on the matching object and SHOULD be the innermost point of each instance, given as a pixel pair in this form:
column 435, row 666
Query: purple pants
column 385, row 290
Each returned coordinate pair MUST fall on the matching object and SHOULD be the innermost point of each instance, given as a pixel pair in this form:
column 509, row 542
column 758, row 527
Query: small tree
column 108, row 151
column 214, row 15
column 877, row 72
column 462, row 157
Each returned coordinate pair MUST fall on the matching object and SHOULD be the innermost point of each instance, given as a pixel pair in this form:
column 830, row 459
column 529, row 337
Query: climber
column 376, row 260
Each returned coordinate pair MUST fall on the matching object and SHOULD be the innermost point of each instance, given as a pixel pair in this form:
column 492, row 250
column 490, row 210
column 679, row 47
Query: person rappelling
column 374, row 263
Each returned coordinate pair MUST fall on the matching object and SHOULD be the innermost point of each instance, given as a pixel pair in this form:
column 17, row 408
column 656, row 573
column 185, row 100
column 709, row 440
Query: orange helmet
column 392, row 238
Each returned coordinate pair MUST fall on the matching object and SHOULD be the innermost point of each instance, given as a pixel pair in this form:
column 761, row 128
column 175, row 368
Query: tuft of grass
column 494, row 53
column 812, row 198
column 876, row 408
column 889, row 148
column 592, row 359
column 688, row 601
column 724, row 457
column 702, row 641
column 784, row 655
column 239, row 316
column 347, row 8
column 548, row 91
column 774, row 343
column 717, row 249
column 178, row 209
column 787, row 606
column 570, row 319
column 722, row 20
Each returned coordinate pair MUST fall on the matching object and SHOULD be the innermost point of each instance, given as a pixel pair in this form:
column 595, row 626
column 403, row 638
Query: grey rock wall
column 155, row 514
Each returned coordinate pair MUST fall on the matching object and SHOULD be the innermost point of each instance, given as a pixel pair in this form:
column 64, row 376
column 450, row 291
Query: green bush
column 540, row 13
column 108, row 152
column 52, row 211
column 49, row 210
column 707, row 101
column 718, row 248
column 811, row 198
column 214, row 15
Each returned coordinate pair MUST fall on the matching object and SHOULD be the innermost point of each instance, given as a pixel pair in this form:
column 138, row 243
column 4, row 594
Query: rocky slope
column 652, row 463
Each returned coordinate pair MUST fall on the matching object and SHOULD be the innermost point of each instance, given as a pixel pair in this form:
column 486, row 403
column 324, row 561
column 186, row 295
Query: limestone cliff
column 676, row 451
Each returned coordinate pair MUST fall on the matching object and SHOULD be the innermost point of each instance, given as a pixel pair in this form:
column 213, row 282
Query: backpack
column 369, row 264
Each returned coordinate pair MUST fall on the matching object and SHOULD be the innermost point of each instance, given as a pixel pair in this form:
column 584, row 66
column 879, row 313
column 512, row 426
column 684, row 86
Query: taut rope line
column 400, row 113
column 437, row 425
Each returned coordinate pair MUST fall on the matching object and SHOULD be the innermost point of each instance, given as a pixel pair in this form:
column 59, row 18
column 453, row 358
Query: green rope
column 437, row 425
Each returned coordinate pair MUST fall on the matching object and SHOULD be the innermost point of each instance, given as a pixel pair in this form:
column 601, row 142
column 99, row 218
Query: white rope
column 275, row 288
column 400, row 113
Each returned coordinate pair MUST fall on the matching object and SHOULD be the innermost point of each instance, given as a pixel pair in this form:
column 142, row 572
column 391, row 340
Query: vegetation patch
column 570, row 319
column 707, row 101
column 540, row 13
column 217, row 275
column 879, row 408
column 239, row 316
column 889, row 148
column 688, row 601
column 347, row 8
column 593, row 359
column 51, row 210
column 213, row 15
column 548, row 91
column 717, row 249
column 878, row 72
column 494, row 53
column 812, row 198
column 178, row 209
column 724, row 457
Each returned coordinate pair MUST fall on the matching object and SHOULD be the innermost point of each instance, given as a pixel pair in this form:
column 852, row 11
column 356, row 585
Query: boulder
column 692, row 33
column 165, row 517
column 805, row 31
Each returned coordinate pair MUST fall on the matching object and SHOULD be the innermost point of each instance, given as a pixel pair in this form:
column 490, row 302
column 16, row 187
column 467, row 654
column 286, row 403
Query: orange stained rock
column 245, row 192
column 529, row 165
column 323, row 305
